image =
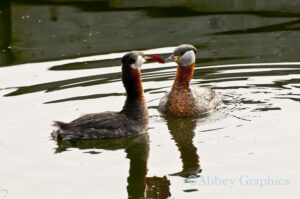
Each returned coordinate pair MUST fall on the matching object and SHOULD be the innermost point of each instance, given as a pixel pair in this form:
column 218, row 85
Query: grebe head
column 183, row 55
column 131, row 74
column 134, row 60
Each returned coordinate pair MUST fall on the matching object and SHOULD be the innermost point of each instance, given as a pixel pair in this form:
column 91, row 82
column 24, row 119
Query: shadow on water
column 84, row 97
column 83, row 81
column 65, row 84
column 202, row 76
column 137, row 150
column 115, row 62
column 87, row 65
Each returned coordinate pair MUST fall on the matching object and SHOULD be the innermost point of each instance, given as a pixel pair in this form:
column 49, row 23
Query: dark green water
column 61, row 59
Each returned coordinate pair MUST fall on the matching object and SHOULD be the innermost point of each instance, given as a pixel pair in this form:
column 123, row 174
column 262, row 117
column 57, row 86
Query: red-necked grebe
column 183, row 101
column 133, row 118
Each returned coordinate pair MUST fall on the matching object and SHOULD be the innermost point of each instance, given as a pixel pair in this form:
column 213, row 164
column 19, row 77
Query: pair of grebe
column 133, row 119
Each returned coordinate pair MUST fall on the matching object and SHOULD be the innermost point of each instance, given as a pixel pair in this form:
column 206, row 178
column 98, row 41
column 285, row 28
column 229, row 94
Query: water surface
column 62, row 60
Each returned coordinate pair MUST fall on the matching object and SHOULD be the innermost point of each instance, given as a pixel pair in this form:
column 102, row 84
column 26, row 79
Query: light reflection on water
column 255, row 131
column 249, row 96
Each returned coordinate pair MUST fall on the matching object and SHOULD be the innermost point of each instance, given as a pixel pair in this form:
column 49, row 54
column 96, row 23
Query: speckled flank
column 180, row 103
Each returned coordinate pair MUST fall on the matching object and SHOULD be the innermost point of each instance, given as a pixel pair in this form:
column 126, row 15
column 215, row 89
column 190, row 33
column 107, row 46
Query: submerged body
column 133, row 118
column 182, row 100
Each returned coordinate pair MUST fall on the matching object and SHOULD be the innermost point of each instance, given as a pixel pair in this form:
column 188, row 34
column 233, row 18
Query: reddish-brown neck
column 180, row 101
column 137, row 83
column 135, row 103
column 183, row 76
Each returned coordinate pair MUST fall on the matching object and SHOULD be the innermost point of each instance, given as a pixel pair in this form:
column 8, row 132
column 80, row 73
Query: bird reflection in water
column 182, row 130
column 137, row 150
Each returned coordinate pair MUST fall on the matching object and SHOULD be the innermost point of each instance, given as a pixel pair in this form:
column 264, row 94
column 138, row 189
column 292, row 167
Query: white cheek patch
column 133, row 66
column 138, row 64
column 187, row 59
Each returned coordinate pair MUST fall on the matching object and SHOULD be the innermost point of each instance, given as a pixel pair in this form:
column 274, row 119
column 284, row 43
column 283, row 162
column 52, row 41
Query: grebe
column 133, row 118
column 182, row 101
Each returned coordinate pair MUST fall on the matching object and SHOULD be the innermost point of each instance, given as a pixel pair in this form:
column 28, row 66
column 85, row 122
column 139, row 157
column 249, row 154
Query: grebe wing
column 106, row 120
column 205, row 99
